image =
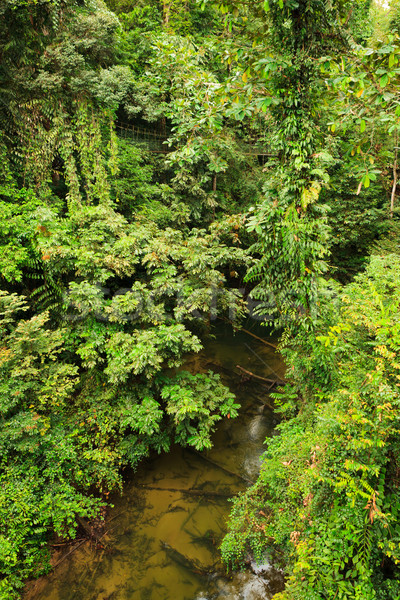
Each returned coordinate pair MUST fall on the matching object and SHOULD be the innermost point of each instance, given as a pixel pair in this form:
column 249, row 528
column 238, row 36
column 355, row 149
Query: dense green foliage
column 326, row 501
column 157, row 158
column 109, row 268
column 328, row 493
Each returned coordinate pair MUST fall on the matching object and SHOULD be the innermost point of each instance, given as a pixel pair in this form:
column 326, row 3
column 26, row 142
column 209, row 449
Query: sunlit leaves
column 196, row 403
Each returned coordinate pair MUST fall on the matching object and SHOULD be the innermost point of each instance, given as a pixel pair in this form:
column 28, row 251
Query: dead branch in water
column 265, row 379
column 258, row 338
column 90, row 532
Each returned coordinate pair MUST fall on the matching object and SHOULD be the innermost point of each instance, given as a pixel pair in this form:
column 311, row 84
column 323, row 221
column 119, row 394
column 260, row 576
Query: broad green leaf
column 362, row 126
column 384, row 80
column 267, row 102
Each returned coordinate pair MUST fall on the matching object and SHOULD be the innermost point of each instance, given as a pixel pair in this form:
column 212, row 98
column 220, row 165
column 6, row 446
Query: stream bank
column 163, row 534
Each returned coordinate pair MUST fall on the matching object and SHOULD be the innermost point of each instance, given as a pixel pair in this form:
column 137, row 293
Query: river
column 163, row 533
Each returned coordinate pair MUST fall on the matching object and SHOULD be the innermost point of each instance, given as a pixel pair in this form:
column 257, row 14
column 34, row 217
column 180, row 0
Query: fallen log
column 265, row 379
column 274, row 346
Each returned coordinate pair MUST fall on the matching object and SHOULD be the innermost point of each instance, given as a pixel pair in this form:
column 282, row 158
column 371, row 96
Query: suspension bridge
column 156, row 141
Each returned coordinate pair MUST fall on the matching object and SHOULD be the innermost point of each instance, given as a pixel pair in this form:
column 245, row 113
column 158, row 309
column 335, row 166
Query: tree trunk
column 394, row 180
column 166, row 13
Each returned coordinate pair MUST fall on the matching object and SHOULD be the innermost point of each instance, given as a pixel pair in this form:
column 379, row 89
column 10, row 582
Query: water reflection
column 164, row 532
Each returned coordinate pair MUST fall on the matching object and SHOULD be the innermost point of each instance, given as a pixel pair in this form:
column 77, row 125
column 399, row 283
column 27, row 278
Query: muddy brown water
column 163, row 538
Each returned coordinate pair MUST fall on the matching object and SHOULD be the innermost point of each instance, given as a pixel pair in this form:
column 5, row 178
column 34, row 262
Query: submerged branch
column 68, row 554
column 189, row 563
column 215, row 464
column 189, row 492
